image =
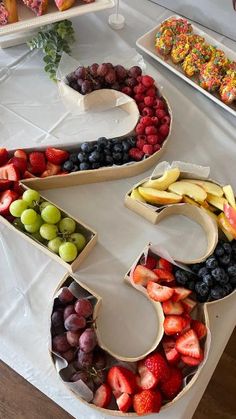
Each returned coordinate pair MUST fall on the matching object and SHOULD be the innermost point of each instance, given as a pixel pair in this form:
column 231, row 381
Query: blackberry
column 211, row 263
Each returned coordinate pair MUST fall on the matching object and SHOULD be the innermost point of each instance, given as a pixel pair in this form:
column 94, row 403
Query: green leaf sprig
column 53, row 39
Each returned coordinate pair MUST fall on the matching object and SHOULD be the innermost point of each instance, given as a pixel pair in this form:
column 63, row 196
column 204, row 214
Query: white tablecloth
column 32, row 113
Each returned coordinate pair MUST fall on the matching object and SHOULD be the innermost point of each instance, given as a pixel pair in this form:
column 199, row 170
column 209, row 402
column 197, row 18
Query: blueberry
column 222, row 280
column 73, row 158
column 102, row 141
column 108, row 160
column 217, row 292
column 125, row 158
column 98, row 147
column 196, row 267
column 211, row 263
column 84, row 166
column 75, row 168
column 232, row 270
column 118, row 148
column 208, row 280
column 117, row 157
column 203, row 271
column 228, row 288
column 219, row 251
column 82, row 157
column 191, row 285
column 132, row 141
column 107, row 151
column 126, row 146
column 94, row 157
column 202, row 289
column 224, row 260
column 181, row 277
column 232, row 281
column 68, row 166
column 233, row 247
column 95, row 165
column 86, row 147
column 202, row 298
column 218, row 273
column 227, row 248
column 115, row 141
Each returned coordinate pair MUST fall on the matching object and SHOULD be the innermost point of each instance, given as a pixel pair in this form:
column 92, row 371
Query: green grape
column 28, row 216
column 67, row 225
column 17, row 207
column 31, row 197
column 33, row 228
column 54, row 244
column 43, row 205
column 79, row 240
column 68, row 251
column 48, row 231
column 18, row 224
column 51, row 214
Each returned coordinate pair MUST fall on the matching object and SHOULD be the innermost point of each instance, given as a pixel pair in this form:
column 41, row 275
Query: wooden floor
column 20, row 400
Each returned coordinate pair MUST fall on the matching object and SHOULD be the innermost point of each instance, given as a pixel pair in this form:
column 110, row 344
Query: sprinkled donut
column 210, row 77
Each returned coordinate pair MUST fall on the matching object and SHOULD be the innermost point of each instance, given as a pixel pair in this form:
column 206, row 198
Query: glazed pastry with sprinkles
column 164, row 42
column 8, row 12
column 177, row 26
column 210, row 77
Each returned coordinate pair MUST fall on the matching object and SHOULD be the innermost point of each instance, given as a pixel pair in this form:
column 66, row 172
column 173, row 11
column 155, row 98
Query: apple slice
column 190, row 189
column 216, row 201
column 136, row 195
column 229, row 194
column 162, row 183
column 64, row 4
column 190, row 201
column 209, row 187
column 225, row 226
column 153, row 196
column 209, row 212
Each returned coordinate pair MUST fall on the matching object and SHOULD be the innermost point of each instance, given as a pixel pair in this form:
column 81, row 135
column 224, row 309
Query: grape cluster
column 74, row 338
column 44, row 222
column 101, row 76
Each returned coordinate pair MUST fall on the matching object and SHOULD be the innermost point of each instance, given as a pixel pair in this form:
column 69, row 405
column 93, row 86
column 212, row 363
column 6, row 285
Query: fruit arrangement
column 142, row 387
column 206, row 64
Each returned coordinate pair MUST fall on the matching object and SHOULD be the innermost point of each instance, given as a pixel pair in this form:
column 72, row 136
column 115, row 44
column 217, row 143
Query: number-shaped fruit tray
column 66, row 365
column 89, row 234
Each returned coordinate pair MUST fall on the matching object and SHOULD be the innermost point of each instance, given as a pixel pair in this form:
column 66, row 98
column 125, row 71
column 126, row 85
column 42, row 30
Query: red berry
column 160, row 104
column 139, row 79
column 155, row 120
column 140, row 128
column 147, row 111
column 152, row 91
column 141, row 106
column 146, row 120
column 164, row 130
column 136, row 154
column 156, row 147
column 148, row 149
column 139, row 98
column 166, row 120
column 38, row 162
column 140, row 143
column 127, row 90
column 3, row 156
column 150, row 130
column 147, row 81
column 152, row 139
column 142, row 137
column 160, row 113
column 149, row 100
column 139, row 89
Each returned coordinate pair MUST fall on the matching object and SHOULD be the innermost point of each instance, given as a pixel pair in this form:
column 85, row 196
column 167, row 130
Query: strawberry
column 136, row 154
column 5, row 184
column 180, row 293
column 124, row 402
column 165, row 264
column 102, row 396
column 173, row 324
column 157, row 365
column 192, row 362
column 37, row 162
column 188, row 304
column 21, row 154
column 164, row 275
column 6, row 198
column 147, row 401
column 170, row 307
column 20, row 163
column 146, row 379
column 121, row 379
column 10, row 172
column 199, row 328
column 187, row 322
column 149, row 263
column 3, row 156
column 51, row 170
column 188, row 344
column 142, row 275
column 172, row 355
column 171, row 387
column 56, row 156
column 158, row 292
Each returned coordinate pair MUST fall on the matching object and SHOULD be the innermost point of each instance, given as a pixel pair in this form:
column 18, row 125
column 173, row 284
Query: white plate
column 28, row 20
column 147, row 44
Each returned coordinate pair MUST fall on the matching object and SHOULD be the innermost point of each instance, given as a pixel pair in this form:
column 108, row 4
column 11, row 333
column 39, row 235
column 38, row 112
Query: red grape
column 87, row 87
column 57, row 318
column 80, row 82
column 68, row 311
column 131, row 82
column 135, row 71
column 85, row 359
column 83, row 307
column 99, row 360
column 102, row 69
column 66, row 296
column 80, row 72
column 121, row 72
column 60, row 344
column 110, row 77
column 74, row 322
column 73, row 338
column 93, row 69
column 88, row 340
column 69, row 355
column 79, row 375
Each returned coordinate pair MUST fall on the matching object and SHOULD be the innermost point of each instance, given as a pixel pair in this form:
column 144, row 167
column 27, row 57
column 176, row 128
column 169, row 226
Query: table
column 32, row 113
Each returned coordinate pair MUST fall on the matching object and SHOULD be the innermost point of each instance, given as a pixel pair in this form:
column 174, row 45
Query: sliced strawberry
column 171, row 387
column 56, row 156
column 180, row 293
column 173, row 324
column 18, row 188
column 157, row 365
column 142, row 275
column 159, row 292
column 20, row 163
column 121, row 379
column 10, row 172
column 6, row 198
column 164, row 275
column 3, row 156
column 172, row 355
column 146, row 379
column 199, row 328
column 124, row 402
column 147, row 401
column 193, row 362
column 165, row 264
column 187, row 322
column 21, row 154
column 188, row 304
column 5, row 184
column 150, row 262
column 188, row 344
column 51, row 170
column 37, row 162
column 28, row 175
column 170, row 307
column 102, row 396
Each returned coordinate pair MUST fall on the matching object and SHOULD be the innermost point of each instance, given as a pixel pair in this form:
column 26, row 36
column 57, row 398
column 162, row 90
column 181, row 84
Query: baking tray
column 147, row 44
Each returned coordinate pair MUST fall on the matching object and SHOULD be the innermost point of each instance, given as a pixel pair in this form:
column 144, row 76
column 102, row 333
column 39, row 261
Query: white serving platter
column 147, row 44
column 28, row 20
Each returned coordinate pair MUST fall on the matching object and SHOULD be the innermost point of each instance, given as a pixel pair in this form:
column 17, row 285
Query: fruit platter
column 196, row 57
column 48, row 227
